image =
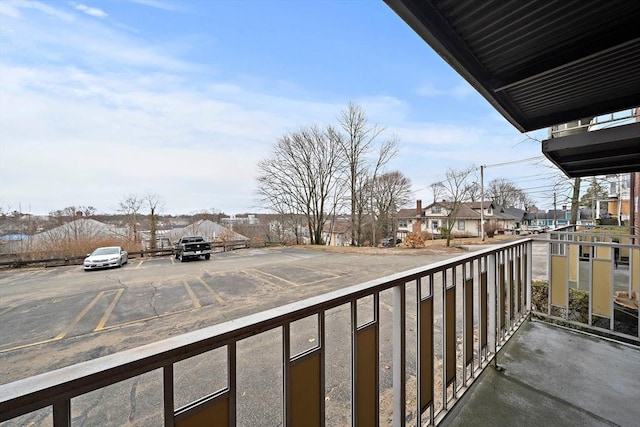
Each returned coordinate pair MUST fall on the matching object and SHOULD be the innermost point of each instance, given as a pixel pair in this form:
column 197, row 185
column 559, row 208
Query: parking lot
column 82, row 315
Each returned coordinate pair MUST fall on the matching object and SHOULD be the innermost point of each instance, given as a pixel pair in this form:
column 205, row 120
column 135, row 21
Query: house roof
column 211, row 231
column 485, row 204
column 464, row 212
column 542, row 63
column 338, row 226
column 407, row 213
column 513, row 213
column 85, row 227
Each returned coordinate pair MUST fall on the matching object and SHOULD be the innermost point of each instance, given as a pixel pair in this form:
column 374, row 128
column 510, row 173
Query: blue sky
column 100, row 99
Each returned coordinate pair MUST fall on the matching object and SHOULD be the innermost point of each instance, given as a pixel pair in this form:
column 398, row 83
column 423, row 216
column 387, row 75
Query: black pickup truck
column 191, row 247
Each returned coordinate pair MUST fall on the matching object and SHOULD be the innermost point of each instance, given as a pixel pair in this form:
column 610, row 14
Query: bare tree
column 473, row 192
column 153, row 201
column 357, row 147
column 388, row 193
column 301, row 176
column 130, row 206
column 504, row 193
column 437, row 190
column 455, row 189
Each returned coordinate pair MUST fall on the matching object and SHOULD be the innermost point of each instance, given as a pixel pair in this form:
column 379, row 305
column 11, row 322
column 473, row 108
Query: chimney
column 419, row 206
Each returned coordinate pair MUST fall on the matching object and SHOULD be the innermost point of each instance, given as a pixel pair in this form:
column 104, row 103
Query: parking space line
column 196, row 303
column 31, row 344
column 6, row 310
column 146, row 319
column 327, row 273
column 315, row 282
column 139, row 264
column 276, row 277
column 107, row 313
column 256, row 275
column 214, row 293
column 80, row 316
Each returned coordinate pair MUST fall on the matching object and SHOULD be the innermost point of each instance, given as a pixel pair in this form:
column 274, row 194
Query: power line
column 515, row 161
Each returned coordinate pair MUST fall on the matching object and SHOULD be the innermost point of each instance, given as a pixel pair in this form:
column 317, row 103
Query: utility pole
column 482, row 201
column 555, row 213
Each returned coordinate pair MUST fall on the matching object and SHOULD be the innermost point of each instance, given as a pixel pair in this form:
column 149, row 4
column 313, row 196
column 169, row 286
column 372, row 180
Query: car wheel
column 207, row 256
column 181, row 258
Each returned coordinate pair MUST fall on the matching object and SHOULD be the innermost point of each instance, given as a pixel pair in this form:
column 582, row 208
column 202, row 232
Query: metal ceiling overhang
column 606, row 151
column 541, row 63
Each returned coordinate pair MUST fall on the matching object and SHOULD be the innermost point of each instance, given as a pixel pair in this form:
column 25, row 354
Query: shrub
column 540, row 296
column 578, row 302
column 415, row 240
column 490, row 229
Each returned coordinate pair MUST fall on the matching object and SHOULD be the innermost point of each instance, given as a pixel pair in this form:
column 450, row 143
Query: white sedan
column 110, row 256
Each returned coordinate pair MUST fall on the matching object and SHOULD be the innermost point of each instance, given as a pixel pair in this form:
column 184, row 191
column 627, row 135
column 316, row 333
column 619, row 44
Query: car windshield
column 106, row 251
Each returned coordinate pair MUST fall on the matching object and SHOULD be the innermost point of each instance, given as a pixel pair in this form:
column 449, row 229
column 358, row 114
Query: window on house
column 461, row 224
column 436, row 209
column 434, row 225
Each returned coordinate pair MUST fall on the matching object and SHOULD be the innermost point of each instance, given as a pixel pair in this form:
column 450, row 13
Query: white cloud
column 97, row 113
column 431, row 89
column 158, row 4
column 7, row 9
column 91, row 11
column 11, row 8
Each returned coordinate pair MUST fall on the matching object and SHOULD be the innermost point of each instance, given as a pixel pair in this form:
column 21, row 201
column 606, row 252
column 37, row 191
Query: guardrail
column 593, row 283
column 448, row 321
column 18, row 260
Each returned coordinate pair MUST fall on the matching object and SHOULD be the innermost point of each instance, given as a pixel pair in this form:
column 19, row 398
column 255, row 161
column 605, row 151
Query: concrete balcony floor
column 555, row 377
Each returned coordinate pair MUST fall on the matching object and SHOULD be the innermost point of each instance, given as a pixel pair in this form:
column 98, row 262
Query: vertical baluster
column 399, row 355
column 62, row 413
column 167, row 378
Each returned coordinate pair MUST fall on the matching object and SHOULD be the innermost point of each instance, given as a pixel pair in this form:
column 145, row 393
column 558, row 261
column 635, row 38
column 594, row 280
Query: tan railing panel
column 306, row 390
column 559, row 281
column 367, row 376
column 468, row 320
column 450, row 334
column 624, row 252
column 214, row 414
column 426, row 353
column 601, row 279
column 483, row 310
column 634, row 263
column 603, row 252
column 573, row 262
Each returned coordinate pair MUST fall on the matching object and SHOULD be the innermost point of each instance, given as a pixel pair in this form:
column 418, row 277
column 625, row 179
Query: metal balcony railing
column 447, row 321
column 593, row 282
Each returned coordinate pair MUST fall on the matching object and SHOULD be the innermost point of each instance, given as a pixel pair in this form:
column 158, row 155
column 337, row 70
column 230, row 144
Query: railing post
column 492, row 283
column 62, row 413
column 529, row 275
column 168, row 395
column 399, row 352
